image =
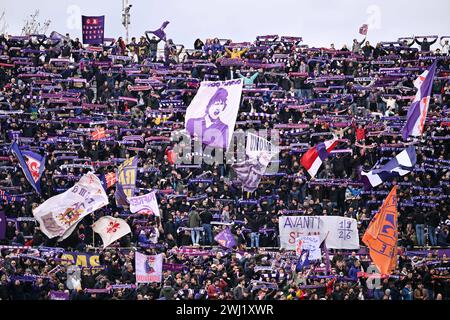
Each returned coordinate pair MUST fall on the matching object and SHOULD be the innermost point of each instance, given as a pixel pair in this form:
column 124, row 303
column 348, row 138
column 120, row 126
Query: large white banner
column 148, row 268
column 211, row 116
column 59, row 215
column 339, row 232
column 146, row 204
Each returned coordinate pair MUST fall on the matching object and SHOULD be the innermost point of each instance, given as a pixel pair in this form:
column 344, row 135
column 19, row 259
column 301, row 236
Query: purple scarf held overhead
column 160, row 33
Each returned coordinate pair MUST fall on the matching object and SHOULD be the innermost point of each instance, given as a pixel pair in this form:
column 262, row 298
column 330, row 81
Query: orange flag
column 382, row 235
column 98, row 134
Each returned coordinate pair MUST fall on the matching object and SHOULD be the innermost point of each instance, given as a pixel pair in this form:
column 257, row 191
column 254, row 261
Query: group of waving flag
column 59, row 215
column 381, row 235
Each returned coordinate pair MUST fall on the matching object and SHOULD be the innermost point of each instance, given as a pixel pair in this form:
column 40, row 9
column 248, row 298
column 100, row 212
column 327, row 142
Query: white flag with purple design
column 400, row 165
column 146, row 204
column 417, row 113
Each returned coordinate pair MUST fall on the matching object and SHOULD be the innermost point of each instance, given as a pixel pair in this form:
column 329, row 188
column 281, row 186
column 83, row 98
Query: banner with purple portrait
column 211, row 116
column 93, row 29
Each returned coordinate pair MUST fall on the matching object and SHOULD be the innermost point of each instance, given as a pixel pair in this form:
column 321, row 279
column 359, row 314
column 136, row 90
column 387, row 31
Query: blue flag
column 32, row 164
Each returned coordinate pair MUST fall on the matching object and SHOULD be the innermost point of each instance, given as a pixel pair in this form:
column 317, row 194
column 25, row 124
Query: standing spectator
column 153, row 46
column 194, row 222
column 206, row 217
column 425, row 45
column 432, row 222
column 357, row 45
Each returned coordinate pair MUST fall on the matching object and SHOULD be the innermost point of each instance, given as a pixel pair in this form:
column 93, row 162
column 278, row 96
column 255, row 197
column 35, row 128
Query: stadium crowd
column 55, row 93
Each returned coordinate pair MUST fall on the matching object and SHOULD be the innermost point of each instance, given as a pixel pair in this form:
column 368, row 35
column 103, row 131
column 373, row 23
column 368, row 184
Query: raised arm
column 146, row 35
column 253, row 77
column 243, row 51
column 362, row 42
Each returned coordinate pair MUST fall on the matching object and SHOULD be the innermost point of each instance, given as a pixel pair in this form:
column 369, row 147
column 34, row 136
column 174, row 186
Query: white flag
column 146, row 204
column 59, row 215
column 111, row 229
column 148, row 268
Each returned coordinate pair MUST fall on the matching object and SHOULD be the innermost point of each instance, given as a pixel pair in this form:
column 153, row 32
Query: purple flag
column 121, row 198
column 225, row 238
column 327, row 257
column 400, row 165
column 2, row 225
column 93, row 29
column 417, row 113
column 160, row 33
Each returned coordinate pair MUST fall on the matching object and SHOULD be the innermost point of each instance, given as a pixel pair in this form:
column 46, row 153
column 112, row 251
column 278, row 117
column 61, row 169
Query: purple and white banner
column 211, row 116
column 146, row 204
column 417, row 113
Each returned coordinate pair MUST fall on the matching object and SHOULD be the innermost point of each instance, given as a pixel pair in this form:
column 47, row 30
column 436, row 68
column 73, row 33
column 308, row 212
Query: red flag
column 171, row 156
column 111, row 179
column 382, row 235
column 363, row 29
column 98, row 134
